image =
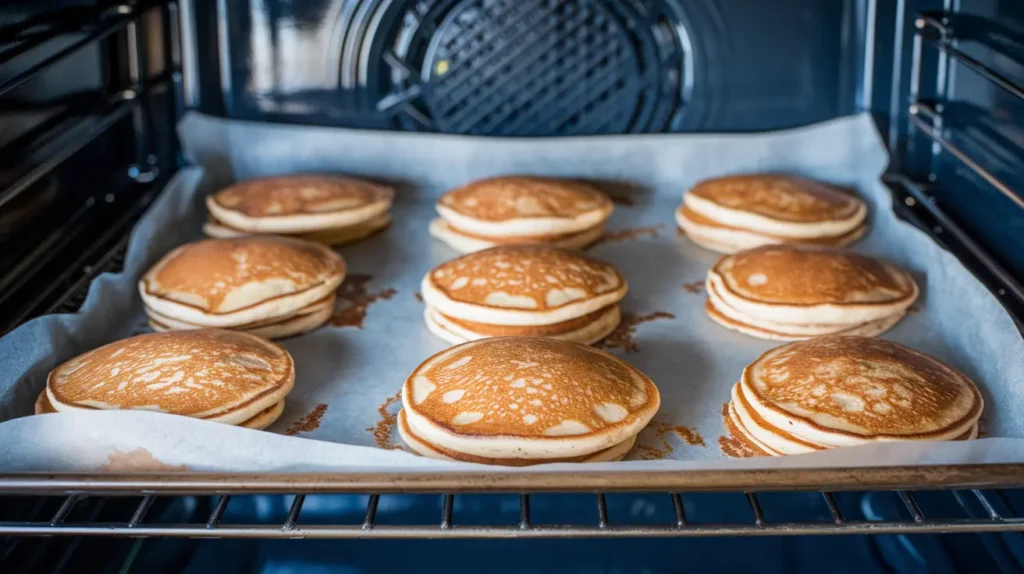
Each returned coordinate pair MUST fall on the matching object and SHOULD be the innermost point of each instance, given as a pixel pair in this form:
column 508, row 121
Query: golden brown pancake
column 332, row 236
column 281, row 329
column 522, row 285
column 229, row 282
column 262, row 420
column 527, row 397
column 502, row 199
column 792, row 292
column 839, row 240
column 800, row 332
column 299, row 203
column 800, row 276
column 210, row 374
column 779, row 197
column 327, row 302
column 839, row 390
column 531, row 330
column 617, row 452
column 796, row 445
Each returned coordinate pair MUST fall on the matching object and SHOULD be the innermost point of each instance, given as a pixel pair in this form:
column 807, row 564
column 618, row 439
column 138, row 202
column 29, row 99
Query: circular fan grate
column 529, row 67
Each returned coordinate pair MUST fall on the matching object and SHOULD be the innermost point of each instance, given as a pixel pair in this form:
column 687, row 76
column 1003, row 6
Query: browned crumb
column 384, row 427
column 621, row 199
column 623, row 335
column 665, row 449
column 647, row 452
column 914, row 309
column 628, row 233
column 694, row 288
column 680, row 232
column 690, row 435
column 734, row 444
column 418, row 296
column 982, row 428
column 309, row 422
column 354, row 299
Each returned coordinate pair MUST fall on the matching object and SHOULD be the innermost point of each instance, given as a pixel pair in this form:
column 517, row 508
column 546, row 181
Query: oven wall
column 536, row 67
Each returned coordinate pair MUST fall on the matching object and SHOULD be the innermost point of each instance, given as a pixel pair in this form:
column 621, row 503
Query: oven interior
column 90, row 93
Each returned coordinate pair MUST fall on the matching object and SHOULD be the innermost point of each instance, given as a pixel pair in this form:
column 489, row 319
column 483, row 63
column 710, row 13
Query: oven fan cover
column 524, row 67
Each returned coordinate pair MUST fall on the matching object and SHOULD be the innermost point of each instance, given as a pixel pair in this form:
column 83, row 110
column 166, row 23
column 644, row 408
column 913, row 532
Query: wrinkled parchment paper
column 351, row 371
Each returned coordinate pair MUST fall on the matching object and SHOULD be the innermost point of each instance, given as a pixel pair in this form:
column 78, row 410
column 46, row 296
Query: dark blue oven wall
column 532, row 67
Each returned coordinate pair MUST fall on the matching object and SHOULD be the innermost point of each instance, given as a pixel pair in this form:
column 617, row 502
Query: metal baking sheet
column 339, row 410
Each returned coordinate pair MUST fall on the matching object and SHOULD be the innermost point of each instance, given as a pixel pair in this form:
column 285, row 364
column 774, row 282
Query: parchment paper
column 354, row 370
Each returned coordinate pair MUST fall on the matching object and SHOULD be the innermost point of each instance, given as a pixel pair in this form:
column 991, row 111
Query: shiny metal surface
column 600, row 526
column 965, row 66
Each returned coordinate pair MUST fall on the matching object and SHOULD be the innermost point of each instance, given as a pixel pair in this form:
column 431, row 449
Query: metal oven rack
column 66, row 505
column 976, row 509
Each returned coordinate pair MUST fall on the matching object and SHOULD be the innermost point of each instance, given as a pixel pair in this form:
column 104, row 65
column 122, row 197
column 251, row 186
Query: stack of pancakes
column 793, row 292
column 511, row 210
column 730, row 214
column 325, row 209
column 265, row 285
column 842, row 391
column 518, row 401
column 523, row 290
column 210, row 374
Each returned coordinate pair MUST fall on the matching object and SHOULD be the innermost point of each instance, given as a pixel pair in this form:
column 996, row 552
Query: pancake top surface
column 781, row 197
column 185, row 372
column 300, row 194
column 519, row 197
column 532, row 277
column 863, row 386
column 529, row 387
column 796, row 275
column 224, row 275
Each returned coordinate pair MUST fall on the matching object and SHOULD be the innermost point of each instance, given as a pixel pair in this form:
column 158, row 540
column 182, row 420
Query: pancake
column 799, row 285
column 327, row 302
column 775, row 441
column 527, row 398
column 229, row 282
column 265, row 418
column 299, row 203
column 587, row 330
column 334, row 236
column 614, row 453
column 766, row 437
column 517, row 206
column 468, row 243
column 297, row 324
column 782, row 332
column 715, row 236
column 839, row 391
column 522, row 285
column 778, row 205
column 211, row 374
column 262, row 420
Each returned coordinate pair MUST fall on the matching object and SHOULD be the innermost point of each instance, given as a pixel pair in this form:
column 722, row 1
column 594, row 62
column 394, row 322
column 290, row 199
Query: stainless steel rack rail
column 835, row 522
column 926, row 117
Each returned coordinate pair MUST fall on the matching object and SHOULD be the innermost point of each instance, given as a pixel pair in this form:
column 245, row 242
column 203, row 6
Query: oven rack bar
column 927, row 118
column 600, row 526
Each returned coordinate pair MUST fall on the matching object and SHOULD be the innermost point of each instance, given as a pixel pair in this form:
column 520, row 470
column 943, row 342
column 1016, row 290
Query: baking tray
column 354, row 367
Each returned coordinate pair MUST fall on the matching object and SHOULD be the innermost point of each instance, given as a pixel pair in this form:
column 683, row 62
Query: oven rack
column 96, row 492
column 140, row 90
column 925, row 117
column 979, row 515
